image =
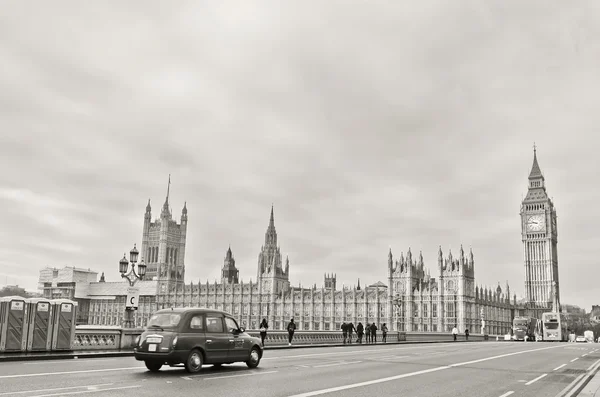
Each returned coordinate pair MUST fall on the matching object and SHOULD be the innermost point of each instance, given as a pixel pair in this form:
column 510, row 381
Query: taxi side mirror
column 242, row 329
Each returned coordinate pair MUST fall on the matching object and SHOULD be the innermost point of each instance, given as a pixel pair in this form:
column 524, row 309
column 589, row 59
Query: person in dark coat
column 360, row 330
column 467, row 334
column 291, row 328
column 373, row 333
column 368, row 333
column 351, row 329
column 344, row 328
column 263, row 331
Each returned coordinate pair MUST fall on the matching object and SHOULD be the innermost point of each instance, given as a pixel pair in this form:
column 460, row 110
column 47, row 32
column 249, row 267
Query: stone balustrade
column 114, row 338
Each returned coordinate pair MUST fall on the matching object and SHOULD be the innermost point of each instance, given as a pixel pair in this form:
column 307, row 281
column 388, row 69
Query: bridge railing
column 114, row 338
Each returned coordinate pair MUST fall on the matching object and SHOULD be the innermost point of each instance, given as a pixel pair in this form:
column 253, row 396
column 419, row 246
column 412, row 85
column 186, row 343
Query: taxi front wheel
column 193, row 363
column 254, row 358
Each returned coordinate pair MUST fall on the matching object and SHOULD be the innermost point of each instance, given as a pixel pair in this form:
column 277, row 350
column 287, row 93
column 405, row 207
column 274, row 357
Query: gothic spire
column 165, row 209
column 272, row 220
column 148, row 207
column 536, row 172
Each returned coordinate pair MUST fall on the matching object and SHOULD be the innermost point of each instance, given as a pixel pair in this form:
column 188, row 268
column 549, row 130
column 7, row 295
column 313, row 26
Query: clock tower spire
column 539, row 235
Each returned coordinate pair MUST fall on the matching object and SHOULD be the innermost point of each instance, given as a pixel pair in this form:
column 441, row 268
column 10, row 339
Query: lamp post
column 132, row 277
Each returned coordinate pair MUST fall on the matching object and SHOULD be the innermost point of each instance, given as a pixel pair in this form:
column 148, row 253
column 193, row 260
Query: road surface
column 495, row 369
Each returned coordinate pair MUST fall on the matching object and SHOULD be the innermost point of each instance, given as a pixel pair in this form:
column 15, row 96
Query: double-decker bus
column 554, row 327
column 524, row 328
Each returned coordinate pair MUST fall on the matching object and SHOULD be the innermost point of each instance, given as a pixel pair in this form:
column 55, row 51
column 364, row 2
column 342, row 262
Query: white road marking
column 559, row 367
column 88, row 391
column 575, row 359
column 507, row 394
column 407, row 375
column 186, row 378
column 535, row 380
column 330, row 364
column 303, row 366
column 236, row 376
column 584, row 355
column 334, row 364
column 54, row 389
column 68, row 372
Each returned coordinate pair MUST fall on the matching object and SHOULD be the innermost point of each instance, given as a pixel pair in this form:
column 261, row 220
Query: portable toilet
column 63, row 328
column 13, row 324
column 41, row 320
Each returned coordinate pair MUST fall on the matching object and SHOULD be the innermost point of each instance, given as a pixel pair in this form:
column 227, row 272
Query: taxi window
column 197, row 323
column 214, row 324
column 231, row 324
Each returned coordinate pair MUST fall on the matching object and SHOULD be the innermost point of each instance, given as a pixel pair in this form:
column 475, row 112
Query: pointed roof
column 272, row 220
column 165, row 209
column 536, row 172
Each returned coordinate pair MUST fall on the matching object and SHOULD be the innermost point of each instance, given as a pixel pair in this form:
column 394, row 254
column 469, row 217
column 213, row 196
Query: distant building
column 15, row 290
column 595, row 315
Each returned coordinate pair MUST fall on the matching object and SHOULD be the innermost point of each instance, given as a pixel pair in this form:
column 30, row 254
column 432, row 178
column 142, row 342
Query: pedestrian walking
column 351, row 329
column 384, row 331
column 454, row 332
column 368, row 333
column 373, row 333
column 467, row 334
column 344, row 328
column 360, row 330
column 291, row 328
column 263, row 331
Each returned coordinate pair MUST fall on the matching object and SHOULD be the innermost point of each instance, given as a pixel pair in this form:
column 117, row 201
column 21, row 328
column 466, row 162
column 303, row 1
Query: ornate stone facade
column 163, row 244
column 539, row 233
column 413, row 301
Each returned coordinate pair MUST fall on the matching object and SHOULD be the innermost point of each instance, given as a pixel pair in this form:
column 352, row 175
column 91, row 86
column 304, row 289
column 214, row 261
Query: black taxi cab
column 194, row 337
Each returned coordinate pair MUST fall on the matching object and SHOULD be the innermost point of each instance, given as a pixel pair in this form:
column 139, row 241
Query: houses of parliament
column 411, row 300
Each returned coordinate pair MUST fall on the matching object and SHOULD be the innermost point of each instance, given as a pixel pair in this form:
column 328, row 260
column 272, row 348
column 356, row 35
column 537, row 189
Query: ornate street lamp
column 132, row 277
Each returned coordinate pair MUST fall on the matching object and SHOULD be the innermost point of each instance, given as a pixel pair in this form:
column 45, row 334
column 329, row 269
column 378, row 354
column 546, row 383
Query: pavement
column 494, row 369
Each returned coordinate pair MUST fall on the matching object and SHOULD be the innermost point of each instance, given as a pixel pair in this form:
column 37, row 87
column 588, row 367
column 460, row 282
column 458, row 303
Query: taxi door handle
column 208, row 341
column 231, row 340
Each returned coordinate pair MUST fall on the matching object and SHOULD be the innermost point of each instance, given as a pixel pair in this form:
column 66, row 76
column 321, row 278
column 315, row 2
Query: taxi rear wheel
column 194, row 361
column 153, row 366
column 254, row 358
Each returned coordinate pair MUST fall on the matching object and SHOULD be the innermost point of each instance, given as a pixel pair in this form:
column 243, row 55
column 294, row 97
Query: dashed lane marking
column 535, row 380
column 575, row 359
column 559, row 367
column 508, row 393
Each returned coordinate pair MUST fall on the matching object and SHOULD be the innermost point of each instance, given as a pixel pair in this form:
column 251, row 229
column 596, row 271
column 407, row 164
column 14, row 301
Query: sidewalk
column 585, row 385
column 592, row 388
column 77, row 354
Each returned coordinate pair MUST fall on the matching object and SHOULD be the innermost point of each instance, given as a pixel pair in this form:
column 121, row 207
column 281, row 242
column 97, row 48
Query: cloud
column 368, row 126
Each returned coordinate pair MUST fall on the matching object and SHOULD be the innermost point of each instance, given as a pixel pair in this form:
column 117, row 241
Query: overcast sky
column 368, row 125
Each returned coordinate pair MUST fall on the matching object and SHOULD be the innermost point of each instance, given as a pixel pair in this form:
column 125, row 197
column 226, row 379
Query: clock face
column 535, row 223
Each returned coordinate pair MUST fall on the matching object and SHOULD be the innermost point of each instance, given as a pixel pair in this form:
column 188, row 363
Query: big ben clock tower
column 540, row 238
